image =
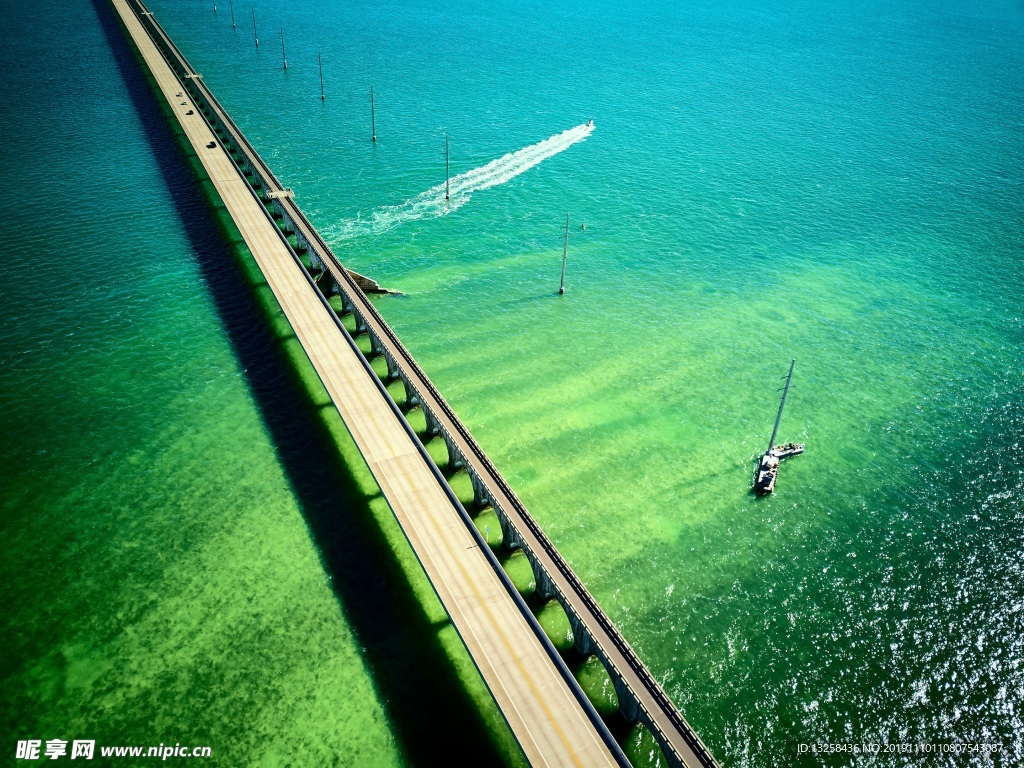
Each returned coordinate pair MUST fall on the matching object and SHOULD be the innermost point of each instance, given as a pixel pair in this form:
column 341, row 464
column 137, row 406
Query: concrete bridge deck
column 545, row 708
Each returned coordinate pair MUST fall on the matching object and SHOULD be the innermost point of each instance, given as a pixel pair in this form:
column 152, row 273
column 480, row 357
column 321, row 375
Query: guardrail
column 641, row 697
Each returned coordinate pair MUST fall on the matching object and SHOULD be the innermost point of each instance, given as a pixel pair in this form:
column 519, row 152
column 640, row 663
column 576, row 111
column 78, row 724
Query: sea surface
column 188, row 553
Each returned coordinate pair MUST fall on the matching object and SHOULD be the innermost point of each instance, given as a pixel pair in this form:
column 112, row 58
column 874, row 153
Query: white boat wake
column 461, row 188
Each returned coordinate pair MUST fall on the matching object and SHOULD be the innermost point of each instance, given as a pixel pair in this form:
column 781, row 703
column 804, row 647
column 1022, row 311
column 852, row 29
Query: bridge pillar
column 481, row 498
column 393, row 374
column 346, row 304
column 411, row 398
column 582, row 640
column 325, row 284
column 376, row 348
column 509, row 535
column 433, row 428
column 360, row 323
column 455, row 457
column 629, row 707
column 545, row 588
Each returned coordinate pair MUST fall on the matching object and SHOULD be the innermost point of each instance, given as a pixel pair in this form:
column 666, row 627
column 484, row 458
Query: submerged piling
column 320, row 64
column 565, row 254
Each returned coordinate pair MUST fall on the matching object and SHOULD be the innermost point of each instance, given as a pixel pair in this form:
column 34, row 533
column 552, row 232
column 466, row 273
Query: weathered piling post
column 373, row 121
column 320, row 64
column 565, row 253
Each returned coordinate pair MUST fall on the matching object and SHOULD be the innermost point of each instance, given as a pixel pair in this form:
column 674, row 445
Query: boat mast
column 231, row 5
column 565, row 253
column 778, row 418
column 284, row 56
column 446, row 168
column 254, row 35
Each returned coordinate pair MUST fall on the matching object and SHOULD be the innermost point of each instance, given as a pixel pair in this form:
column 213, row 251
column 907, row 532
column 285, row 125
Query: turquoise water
column 841, row 185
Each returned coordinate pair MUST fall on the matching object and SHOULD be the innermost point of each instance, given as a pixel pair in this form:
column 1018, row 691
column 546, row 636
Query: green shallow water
column 839, row 185
column 191, row 553
column 597, row 685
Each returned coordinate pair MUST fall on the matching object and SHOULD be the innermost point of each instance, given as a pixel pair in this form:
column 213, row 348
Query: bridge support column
column 581, row 638
column 629, row 707
column 275, row 206
column 411, row 398
column 481, row 498
column 346, row 304
column 455, row 457
column 671, row 757
column 325, row 284
column 376, row 348
column 433, row 428
column 393, row 374
column 545, row 588
column 360, row 323
column 509, row 535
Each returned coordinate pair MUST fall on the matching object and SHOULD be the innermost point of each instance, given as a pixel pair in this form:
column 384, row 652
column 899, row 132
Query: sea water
column 841, row 185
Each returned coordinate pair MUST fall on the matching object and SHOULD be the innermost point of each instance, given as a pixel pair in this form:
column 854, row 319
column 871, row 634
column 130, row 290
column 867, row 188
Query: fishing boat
column 768, row 466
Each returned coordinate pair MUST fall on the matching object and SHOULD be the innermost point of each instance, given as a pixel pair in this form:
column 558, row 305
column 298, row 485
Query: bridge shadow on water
column 434, row 719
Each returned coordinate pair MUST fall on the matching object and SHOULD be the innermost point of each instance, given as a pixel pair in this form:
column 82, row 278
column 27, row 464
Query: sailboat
column 768, row 467
column 446, row 190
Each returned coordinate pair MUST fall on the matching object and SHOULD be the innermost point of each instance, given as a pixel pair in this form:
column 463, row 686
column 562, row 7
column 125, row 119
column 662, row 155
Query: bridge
column 547, row 711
